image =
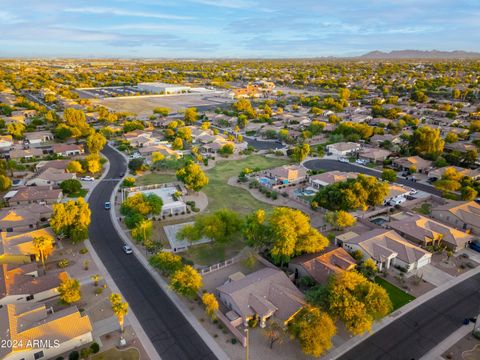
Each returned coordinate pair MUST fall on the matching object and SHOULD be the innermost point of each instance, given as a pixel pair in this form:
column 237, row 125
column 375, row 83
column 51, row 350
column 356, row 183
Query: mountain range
column 421, row 54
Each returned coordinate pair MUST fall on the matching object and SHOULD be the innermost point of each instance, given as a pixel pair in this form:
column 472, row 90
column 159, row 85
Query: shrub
column 95, row 348
column 62, row 264
column 98, row 291
column 234, row 341
column 74, row 355
column 83, row 251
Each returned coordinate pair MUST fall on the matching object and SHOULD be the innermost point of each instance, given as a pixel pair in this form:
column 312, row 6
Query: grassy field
column 212, row 253
column 114, row 354
column 221, row 195
column 155, row 178
column 398, row 296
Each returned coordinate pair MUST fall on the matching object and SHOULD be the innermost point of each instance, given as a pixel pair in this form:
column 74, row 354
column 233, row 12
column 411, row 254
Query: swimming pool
column 265, row 181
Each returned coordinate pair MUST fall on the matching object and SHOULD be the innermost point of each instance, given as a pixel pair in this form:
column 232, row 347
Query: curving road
column 329, row 165
column 170, row 333
column 417, row 332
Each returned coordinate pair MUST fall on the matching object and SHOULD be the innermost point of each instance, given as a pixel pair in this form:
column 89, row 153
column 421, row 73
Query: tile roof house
column 425, row 232
column 50, row 177
column 463, row 215
column 387, row 248
column 287, row 173
column 162, row 149
column 438, row 173
column 68, row 149
column 57, row 332
column 25, row 153
column 264, row 293
column 405, row 163
column 378, row 139
column 38, row 137
column 6, row 141
column 18, row 248
column 33, row 194
column 321, row 267
column 343, row 148
column 320, row 180
column 24, row 218
column 52, row 164
column 374, row 155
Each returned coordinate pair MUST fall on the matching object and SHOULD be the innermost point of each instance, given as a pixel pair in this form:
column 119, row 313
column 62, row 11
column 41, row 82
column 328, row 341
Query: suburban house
column 406, row 163
column 68, row 149
column 395, row 192
column 51, row 177
column 387, row 248
column 265, row 293
column 321, row 180
column 38, row 137
column 21, row 284
column 463, row 215
column 52, row 164
column 24, row 218
column 19, row 154
column 426, row 232
column 438, row 173
column 374, row 155
column 6, row 142
column 286, row 174
column 343, row 148
column 321, row 267
column 18, row 248
column 28, row 324
column 162, row 149
column 33, row 194
column 379, row 139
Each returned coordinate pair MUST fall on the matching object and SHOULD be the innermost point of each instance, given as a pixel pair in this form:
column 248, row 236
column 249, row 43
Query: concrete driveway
column 474, row 255
column 432, row 275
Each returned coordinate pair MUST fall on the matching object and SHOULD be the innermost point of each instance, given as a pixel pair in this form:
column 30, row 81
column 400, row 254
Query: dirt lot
column 144, row 105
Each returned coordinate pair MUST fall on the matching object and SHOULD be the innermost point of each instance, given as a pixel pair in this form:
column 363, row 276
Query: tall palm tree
column 44, row 247
column 119, row 307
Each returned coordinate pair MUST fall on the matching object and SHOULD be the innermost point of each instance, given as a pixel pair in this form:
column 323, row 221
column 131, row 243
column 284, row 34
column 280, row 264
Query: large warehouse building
column 161, row 88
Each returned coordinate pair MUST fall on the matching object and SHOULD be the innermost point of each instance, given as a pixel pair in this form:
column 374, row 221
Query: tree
column 132, row 125
column 389, row 175
column 227, row 149
column 357, row 301
column 43, row 246
column 211, row 304
column 274, row 332
column 96, row 142
column 314, row 330
column 74, row 167
column 177, row 144
column 186, row 281
column 63, row 132
column 71, row 219
column 119, row 308
column 16, row 130
column 242, row 121
column 205, row 125
column 192, row 176
column 166, row 262
column 95, row 278
column 5, row 183
column 468, row 193
column 157, row 157
column 191, row 116
column 69, row 290
column 300, row 152
column 427, row 141
column 75, row 119
column 136, row 164
column 70, row 186
column 344, row 94
column 164, row 111
column 340, row 219
column 185, row 133
column 451, row 138
column 143, row 231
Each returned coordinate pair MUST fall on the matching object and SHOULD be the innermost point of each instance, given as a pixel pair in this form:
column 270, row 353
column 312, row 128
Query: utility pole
column 246, row 348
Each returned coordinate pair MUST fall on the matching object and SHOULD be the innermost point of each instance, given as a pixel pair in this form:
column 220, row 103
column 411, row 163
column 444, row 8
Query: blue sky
column 234, row 28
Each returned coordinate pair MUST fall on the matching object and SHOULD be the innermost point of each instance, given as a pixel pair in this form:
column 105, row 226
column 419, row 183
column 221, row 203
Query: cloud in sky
column 235, row 28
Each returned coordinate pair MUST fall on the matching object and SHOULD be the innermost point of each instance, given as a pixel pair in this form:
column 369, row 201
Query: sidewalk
column 206, row 337
column 437, row 351
column 350, row 344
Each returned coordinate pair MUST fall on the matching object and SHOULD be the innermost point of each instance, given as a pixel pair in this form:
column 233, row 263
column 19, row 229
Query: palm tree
column 44, row 247
column 119, row 307
column 95, row 278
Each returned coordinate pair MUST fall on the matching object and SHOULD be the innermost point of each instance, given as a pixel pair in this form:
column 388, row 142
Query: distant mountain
column 420, row 54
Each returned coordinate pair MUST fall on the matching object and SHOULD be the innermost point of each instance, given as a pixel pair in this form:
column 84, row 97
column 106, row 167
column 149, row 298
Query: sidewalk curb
column 131, row 317
column 206, row 337
column 350, row 344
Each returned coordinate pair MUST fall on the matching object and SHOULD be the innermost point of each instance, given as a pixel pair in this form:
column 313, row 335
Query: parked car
column 344, row 160
column 475, row 245
column 413, row 192
column 127, row 249
column 432, row 180
column 107, row 205
column 361, row 161
column 122, row 174
column 397, row 201
column 87, row 178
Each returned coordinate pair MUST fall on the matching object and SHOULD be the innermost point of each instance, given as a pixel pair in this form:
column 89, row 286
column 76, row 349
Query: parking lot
column 114, row 91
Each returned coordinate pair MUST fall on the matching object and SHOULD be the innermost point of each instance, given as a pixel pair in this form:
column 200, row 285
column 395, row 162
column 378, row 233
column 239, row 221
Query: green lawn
column 398, row 296
column 221, row 195
column 212, row 253
column 114, row 354
column 155, row 178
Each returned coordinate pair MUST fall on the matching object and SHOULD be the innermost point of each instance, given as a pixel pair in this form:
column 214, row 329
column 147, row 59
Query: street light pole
column 246, row 348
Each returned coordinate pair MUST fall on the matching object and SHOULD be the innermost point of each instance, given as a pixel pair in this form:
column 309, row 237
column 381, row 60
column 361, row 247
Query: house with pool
column 282, row 175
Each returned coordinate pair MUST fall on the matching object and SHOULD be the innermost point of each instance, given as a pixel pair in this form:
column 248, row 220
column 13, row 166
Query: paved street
column 420, row 330
column 329, row 165
column 168, row 330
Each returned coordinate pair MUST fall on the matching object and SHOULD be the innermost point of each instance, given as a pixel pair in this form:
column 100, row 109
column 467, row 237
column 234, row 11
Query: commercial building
column 162, row 88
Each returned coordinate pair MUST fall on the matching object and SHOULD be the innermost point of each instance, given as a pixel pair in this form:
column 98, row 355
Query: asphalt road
column 414, row 334
column 168, row 330
column 329, row 165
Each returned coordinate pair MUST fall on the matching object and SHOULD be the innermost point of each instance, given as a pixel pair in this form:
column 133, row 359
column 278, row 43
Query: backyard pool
column 265, row 181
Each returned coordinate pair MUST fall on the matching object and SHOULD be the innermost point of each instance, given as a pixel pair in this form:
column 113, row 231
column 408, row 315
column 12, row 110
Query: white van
column 397, row 201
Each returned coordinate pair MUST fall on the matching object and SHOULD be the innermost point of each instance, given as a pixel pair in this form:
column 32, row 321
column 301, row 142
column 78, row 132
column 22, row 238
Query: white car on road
column 344, row 160
column 87, row 178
